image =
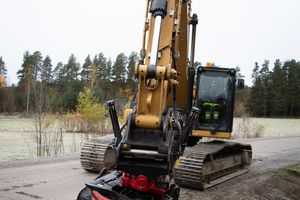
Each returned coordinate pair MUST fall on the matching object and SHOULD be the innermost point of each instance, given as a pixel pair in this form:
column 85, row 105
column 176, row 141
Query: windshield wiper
column 217, row 128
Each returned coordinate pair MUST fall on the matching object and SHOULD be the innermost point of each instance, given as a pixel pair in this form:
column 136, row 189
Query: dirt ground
column 278, row 184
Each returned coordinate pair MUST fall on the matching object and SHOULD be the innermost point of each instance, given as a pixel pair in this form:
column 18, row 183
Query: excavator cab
column 215, row 89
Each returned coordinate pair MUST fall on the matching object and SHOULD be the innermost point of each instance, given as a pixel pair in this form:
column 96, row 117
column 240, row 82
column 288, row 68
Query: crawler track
column 93, row 153
column 210, row 163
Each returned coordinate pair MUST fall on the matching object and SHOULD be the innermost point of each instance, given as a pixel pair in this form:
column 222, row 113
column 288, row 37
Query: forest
column 64, row 82
column 274, row 93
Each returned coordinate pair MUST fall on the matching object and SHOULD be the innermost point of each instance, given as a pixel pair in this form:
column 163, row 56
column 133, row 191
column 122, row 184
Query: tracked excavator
column 158, row 149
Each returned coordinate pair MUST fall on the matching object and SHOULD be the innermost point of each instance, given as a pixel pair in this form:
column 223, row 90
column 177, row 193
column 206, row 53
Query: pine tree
column 119, row 70
column 57, row 72
column 72, row 68
column 37, row 63
column 256, row 96
column 277, row 89
column 197, row 64
column 27, row 60
column 107, row 79
column 100, row 62
column 86, row 67
column 3, row 70
column 265, row 77
column 46, row 70
column 131, row 82
column 293, row 83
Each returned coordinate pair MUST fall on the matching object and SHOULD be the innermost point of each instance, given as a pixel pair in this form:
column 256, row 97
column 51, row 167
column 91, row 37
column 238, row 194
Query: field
column 17, row 135
column 17, row 140
column 274, row 127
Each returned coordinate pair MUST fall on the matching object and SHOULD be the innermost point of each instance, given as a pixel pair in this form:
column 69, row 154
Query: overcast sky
column 229, row 32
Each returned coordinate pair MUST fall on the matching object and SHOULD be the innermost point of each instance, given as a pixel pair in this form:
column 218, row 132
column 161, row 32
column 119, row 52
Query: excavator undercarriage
column 209, row 163
column 201, row 166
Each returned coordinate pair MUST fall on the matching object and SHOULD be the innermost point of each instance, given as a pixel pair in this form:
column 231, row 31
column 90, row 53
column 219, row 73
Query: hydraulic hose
column 178, row 125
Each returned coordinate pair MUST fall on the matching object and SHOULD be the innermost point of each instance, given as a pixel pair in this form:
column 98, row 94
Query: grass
column 16, row 135
column 289, row 180
column 15, row 145
column 273, row 127
column 18, row 140
column 246, row 129
column 291, row 171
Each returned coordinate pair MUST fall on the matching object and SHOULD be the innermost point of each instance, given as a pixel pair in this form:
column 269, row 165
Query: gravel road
column 62, row 177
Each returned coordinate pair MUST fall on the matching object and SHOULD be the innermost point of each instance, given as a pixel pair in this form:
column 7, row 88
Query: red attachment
column 98, row 196
column 142, row 183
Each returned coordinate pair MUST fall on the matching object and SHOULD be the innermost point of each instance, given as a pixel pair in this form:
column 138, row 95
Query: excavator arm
column 156, row 130
column 151, row 143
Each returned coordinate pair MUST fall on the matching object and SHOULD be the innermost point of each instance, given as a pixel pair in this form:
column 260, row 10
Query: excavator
column 157, row 149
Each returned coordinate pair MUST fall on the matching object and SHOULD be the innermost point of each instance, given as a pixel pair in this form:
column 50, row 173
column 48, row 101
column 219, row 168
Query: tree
column 28, row 78
column 27, row 60
column 37, row 63
column 254, row 102
column 130, row 81
column 119, row 70
column 3, row 70
column 293, row 82
column 277, row 89
column 238, row 73
column 106, row 88
column 89, row 109
column 86, row 67
column 240, row 94
column 19, row 100
column 42, row 98
column 46, row 70
column 2, row 82
column 214, row 65
column 57, row 72
column 92, row 75
column 72, row 68
column 265, row 77
column 60, row 78
column 2, row 90
column 71, row 94
column 100, row 62
column 8, row 100
column 197, row 64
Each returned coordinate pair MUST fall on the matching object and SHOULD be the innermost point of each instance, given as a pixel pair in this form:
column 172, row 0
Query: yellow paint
column 177, row 162
column 208, row 134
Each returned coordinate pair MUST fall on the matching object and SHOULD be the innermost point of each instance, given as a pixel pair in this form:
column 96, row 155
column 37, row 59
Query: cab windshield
column 213, row 100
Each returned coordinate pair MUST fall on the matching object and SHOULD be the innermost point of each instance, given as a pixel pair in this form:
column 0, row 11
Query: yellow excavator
column 158, row 149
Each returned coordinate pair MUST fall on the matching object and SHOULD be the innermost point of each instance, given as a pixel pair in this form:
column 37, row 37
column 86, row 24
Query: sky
column 229, row 33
